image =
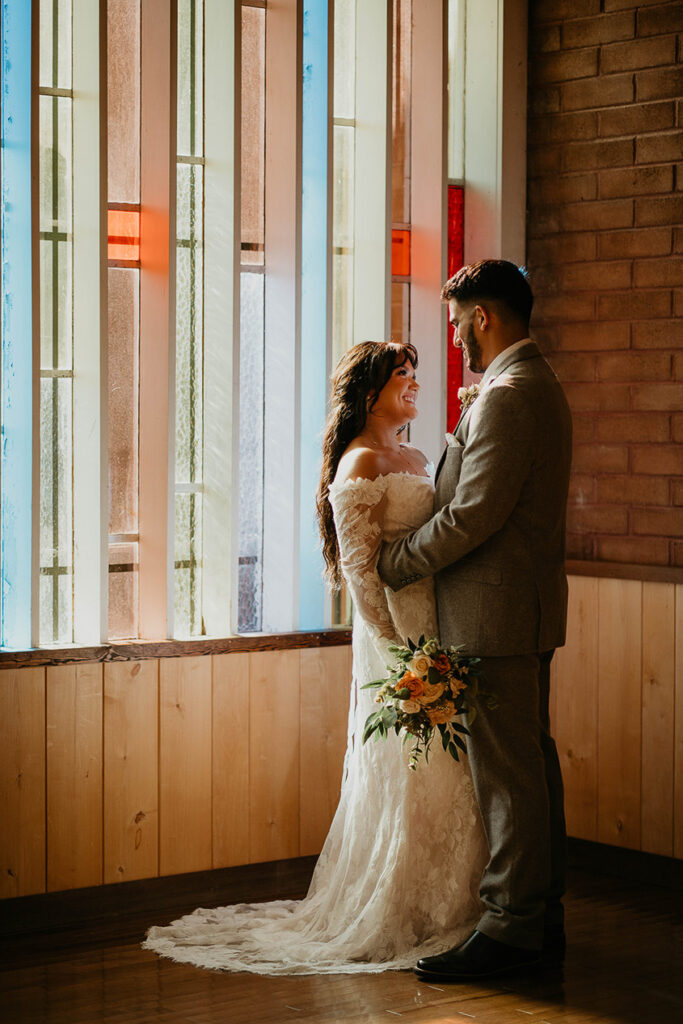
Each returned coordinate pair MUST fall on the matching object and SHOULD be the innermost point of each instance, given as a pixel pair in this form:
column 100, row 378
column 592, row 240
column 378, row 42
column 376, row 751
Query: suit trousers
column 518, row 783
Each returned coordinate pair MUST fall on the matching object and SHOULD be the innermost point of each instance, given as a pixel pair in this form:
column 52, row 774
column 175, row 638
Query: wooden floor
column 624, row 964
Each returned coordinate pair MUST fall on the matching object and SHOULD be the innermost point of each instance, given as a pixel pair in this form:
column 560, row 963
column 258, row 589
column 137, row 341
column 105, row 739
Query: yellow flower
column 457, row 685
column 411, row 682
column 420, row 664
column 432, row 692
column 410, row 707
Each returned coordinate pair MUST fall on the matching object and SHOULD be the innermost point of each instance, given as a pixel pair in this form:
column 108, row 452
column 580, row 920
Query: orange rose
column 441, row 714
column 442, row 663
column 413, row 683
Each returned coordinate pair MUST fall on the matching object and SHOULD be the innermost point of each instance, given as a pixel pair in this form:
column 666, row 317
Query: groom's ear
column 482, row 317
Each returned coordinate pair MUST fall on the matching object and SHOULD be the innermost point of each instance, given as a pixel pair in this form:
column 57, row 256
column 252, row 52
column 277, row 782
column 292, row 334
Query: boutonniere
column 466, row 396
column 452, row 441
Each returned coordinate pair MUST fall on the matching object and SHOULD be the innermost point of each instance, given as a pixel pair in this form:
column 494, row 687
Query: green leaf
column 460, row 728
column 444, row 740
column 411, row 645
column 453, row 751
column 422, row 641
column 433, row 675
column 459, row 743
column 375, row 684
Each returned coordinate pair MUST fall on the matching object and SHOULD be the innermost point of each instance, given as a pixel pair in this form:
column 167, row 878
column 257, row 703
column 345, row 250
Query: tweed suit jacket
column 496, row 543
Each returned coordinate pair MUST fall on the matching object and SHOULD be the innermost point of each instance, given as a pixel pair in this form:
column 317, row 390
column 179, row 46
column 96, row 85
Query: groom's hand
column 387, row 565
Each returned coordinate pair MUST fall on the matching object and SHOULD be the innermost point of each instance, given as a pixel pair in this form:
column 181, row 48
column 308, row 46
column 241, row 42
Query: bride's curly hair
column 357, row 381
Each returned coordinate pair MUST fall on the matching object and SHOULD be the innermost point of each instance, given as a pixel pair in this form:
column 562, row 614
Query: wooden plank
column 185, row 765
column 575, row 709
column 274, row 756
column 22, row 782
column 230, row 825
column 678, row 728
column 619, row 726
column 324, row 711
column 658, row 681
column 74, row 776
column 131, row 769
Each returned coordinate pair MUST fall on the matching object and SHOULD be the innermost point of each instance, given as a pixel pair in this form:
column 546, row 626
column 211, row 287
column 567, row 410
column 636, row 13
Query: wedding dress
column 398, row 875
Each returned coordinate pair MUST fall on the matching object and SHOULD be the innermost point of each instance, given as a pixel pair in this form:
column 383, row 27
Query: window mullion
column 157, row 315
column 90, row 507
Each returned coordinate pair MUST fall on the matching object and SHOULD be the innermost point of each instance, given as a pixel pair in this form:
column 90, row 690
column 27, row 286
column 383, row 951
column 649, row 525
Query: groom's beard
column 473, row 354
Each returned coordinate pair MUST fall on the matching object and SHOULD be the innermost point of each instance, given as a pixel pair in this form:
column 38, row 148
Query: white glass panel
column 250, row 548
column 190, row 140
column 55, row 44
column 342, row 233
column 344, row 58
column 56, row 522
column 55, row 230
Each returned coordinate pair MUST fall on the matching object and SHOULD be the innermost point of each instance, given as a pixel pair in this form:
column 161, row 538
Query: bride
column 398, row 875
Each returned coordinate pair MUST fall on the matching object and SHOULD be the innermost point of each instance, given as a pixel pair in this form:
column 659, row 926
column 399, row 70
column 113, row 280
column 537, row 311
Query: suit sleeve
column 496, row 462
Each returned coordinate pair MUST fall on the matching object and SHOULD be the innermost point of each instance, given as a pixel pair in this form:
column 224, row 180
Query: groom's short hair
column 495, row 280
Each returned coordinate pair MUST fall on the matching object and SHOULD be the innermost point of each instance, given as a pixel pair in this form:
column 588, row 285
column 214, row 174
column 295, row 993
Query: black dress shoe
column 477, row 957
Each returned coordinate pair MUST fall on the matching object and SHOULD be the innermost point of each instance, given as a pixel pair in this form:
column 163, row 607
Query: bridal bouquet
column 429, row 687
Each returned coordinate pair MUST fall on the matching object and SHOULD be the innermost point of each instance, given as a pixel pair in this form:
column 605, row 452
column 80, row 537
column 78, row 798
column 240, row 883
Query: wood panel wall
column 617, row 713
column 136, row 769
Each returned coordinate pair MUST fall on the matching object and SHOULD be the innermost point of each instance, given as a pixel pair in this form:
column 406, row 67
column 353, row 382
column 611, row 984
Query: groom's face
column 462, row 319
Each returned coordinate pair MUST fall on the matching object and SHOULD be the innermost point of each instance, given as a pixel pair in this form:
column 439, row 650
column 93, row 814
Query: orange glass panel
column 124, row 235
column 400, row 252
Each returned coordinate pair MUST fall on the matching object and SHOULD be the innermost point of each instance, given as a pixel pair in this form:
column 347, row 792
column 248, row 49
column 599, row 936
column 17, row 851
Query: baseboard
column 631, row 865
column 78, row 910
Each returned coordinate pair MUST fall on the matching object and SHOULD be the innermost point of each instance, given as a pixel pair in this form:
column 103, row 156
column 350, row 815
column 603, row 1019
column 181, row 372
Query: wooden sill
column 619, row 571
column 138, row 650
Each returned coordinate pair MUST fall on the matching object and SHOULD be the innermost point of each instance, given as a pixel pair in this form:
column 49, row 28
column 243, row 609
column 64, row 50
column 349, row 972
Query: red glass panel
column 400, row 253
column 456, row 245
column 124, row 235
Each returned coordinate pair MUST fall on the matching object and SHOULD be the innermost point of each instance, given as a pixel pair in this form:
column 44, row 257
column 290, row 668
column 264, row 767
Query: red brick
column 638, row 427
column 542, row 220
column 659, row 210
column 663, row 395
column 677, row 557
column 588, row 31
column 658, row 334
column 633, row 490
column 612, row 213
column 564, row 248
column 652, row 149
column 677, row 373
column 640, row 551
column 640, row 242
column 582, row 489
column 659, row 83
column 573, row 366
column 555, row 10
column 562, row 67
column 592, row 337
column 565, row 127
column 635, row 305
column 583, row 156
column 657, row 459
column 574, row 306
column 563, row 188
column 651, row 273
column 598, row 397
column 641, row 53
column 622, row 5
column 546, row 337
column 629, row 181
column 600, row 458
column 678, row 240
column 677, row 428
column 634, row 366
column 660, row 522
column 677, row 492
column 545, row 101
column 583, row 428
column 597, row 92
column 580, row 546
column 597, row 519
column 544, row 160
column 596, row 276
column 544, row 38
column 650, row 117
column 661, row 19
column 678, row 302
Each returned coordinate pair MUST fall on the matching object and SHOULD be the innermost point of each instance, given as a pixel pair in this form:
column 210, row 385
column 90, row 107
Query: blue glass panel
column 314, row 301
column 16, row 325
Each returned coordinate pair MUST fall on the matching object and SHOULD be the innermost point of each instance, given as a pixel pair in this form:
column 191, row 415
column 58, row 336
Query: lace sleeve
column 358, row 507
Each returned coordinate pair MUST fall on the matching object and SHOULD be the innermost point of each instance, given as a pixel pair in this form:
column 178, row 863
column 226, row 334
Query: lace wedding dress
column 398, row 875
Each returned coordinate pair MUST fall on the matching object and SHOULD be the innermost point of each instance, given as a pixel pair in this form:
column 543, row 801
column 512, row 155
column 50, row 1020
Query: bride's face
column 396, row 400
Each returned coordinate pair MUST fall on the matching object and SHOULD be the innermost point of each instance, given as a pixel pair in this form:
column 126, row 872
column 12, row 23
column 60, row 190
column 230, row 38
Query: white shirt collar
column 494, row 367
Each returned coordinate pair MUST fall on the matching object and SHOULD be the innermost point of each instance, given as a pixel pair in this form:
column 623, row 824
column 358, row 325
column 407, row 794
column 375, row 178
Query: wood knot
column 136, row 669
column 140, row 816
column 620, row 825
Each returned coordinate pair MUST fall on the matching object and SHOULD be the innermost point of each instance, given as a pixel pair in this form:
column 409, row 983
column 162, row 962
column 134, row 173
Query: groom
column 496, row 548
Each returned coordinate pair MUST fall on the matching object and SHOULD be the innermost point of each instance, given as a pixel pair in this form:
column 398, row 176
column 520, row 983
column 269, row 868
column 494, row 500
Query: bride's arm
column 359, row 505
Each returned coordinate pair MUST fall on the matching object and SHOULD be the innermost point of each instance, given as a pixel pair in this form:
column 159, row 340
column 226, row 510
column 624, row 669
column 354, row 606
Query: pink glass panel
column 123, row 399
column 253, row 133
column 456, row 236
column 123, row 100
column 400, row 111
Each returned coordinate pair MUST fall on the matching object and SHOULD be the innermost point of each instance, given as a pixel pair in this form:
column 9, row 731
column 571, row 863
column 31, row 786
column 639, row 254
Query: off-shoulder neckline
column 383, row 476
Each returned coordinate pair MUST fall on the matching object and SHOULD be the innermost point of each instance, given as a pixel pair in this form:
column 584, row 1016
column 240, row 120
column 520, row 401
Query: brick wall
column 605, row 253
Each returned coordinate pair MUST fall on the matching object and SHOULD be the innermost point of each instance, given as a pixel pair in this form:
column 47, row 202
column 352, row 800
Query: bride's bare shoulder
column 359, row 463
column 421, row 460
